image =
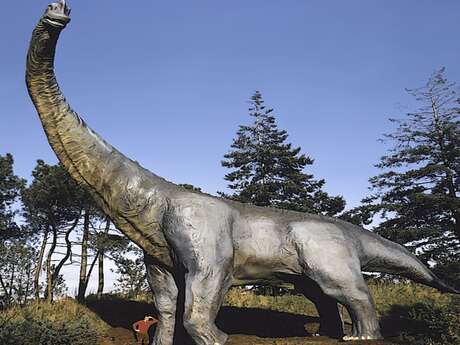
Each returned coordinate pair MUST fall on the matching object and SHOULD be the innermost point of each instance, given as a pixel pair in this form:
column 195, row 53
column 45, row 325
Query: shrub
column 30, row 331
column 61, row 323
column 425, row 323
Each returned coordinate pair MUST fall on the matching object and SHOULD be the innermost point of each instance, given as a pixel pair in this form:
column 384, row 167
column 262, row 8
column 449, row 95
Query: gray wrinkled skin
column 200, row 244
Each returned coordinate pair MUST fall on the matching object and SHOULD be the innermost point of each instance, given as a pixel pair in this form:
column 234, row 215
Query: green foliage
column 63, row 323
column 17, row 262
column 425, row 323
column 131, row 281
column 54, row 208
column 10, row 187
column 39, row 332
column 110, row 243
column 448, row 269
column 418, row 193
column 190, row 187
column 16, row 253
column 268, row 171
column 52, row 199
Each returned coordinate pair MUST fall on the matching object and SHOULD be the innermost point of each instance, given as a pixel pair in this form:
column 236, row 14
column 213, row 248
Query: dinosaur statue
column 199, row 245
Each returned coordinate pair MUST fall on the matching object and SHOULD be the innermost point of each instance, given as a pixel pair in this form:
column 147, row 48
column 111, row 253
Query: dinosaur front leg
column 165, row 298
column 201, row 239
column 205, row 291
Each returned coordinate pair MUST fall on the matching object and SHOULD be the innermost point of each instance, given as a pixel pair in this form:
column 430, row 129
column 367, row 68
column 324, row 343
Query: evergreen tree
column 10, row 187
column 418, row 194
column 15, row 263
column 268, row 171
column 131, row 271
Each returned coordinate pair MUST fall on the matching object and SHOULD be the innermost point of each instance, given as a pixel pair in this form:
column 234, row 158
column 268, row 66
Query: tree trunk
column 13, row 271
column 26, row 292
column 7, row 296
column 84, row 285
column 61, row 263
column 91, row 267
column 100, row 265
column 100, row 280
column 49, row 268
column 84, row 259
column 38, row 267
column 457, row 225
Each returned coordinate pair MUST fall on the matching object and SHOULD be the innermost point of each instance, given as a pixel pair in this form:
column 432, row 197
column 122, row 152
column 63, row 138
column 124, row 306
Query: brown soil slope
column 121, row 336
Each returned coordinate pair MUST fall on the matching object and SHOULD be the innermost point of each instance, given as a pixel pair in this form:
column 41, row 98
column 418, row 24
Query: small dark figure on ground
column 141, row 329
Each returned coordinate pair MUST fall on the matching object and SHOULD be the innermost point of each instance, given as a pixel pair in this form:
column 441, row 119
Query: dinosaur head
column 57, row 15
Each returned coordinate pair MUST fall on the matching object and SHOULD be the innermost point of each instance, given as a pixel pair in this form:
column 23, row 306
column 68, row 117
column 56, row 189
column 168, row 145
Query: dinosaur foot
column 361, row 337
column 57, row 14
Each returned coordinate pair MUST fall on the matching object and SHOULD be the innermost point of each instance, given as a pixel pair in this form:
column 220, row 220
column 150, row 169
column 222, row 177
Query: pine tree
column 418, row 194
column 132, row 275
column 268, row 171
column 13, row 265
column 10, row 187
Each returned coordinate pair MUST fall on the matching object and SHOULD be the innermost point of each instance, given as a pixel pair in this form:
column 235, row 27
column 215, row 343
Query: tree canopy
column 417, row 194
column 269, row 171
column 10, row 188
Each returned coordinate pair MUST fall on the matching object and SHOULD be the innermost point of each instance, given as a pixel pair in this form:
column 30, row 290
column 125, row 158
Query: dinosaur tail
column 382, row 255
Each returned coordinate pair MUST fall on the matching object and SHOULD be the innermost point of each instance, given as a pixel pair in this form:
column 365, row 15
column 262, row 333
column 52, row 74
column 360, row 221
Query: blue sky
column 167, row 83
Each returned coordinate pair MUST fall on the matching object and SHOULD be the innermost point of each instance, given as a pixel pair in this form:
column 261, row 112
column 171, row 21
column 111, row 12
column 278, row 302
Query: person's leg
column 145, row 339
column 138, row 338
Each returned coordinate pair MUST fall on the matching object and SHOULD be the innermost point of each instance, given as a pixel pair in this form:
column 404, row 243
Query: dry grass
column 406, row 294
column 385, row 295
column 66, row 310
column 293, row 304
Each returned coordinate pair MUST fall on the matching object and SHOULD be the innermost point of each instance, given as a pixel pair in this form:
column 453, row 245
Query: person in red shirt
column 141, row 329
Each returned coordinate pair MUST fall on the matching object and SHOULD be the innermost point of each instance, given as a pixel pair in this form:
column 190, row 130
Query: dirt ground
column 246, row 326
column 122, row 336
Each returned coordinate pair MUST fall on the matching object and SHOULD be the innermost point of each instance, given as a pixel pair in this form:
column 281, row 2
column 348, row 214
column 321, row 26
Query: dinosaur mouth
column 57, row 14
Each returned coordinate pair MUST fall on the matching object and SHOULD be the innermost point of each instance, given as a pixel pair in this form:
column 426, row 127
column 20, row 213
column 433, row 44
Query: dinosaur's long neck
column 79, row 149
column 132, row 196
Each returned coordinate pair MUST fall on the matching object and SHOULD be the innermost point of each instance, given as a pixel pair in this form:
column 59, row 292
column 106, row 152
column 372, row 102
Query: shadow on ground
column 245, row 325
column 251, row 321
column 263, row 323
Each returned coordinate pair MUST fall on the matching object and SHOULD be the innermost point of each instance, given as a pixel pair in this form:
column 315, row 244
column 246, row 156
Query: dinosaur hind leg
column 349, row 288
column 338, row 273
column 331, row 324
